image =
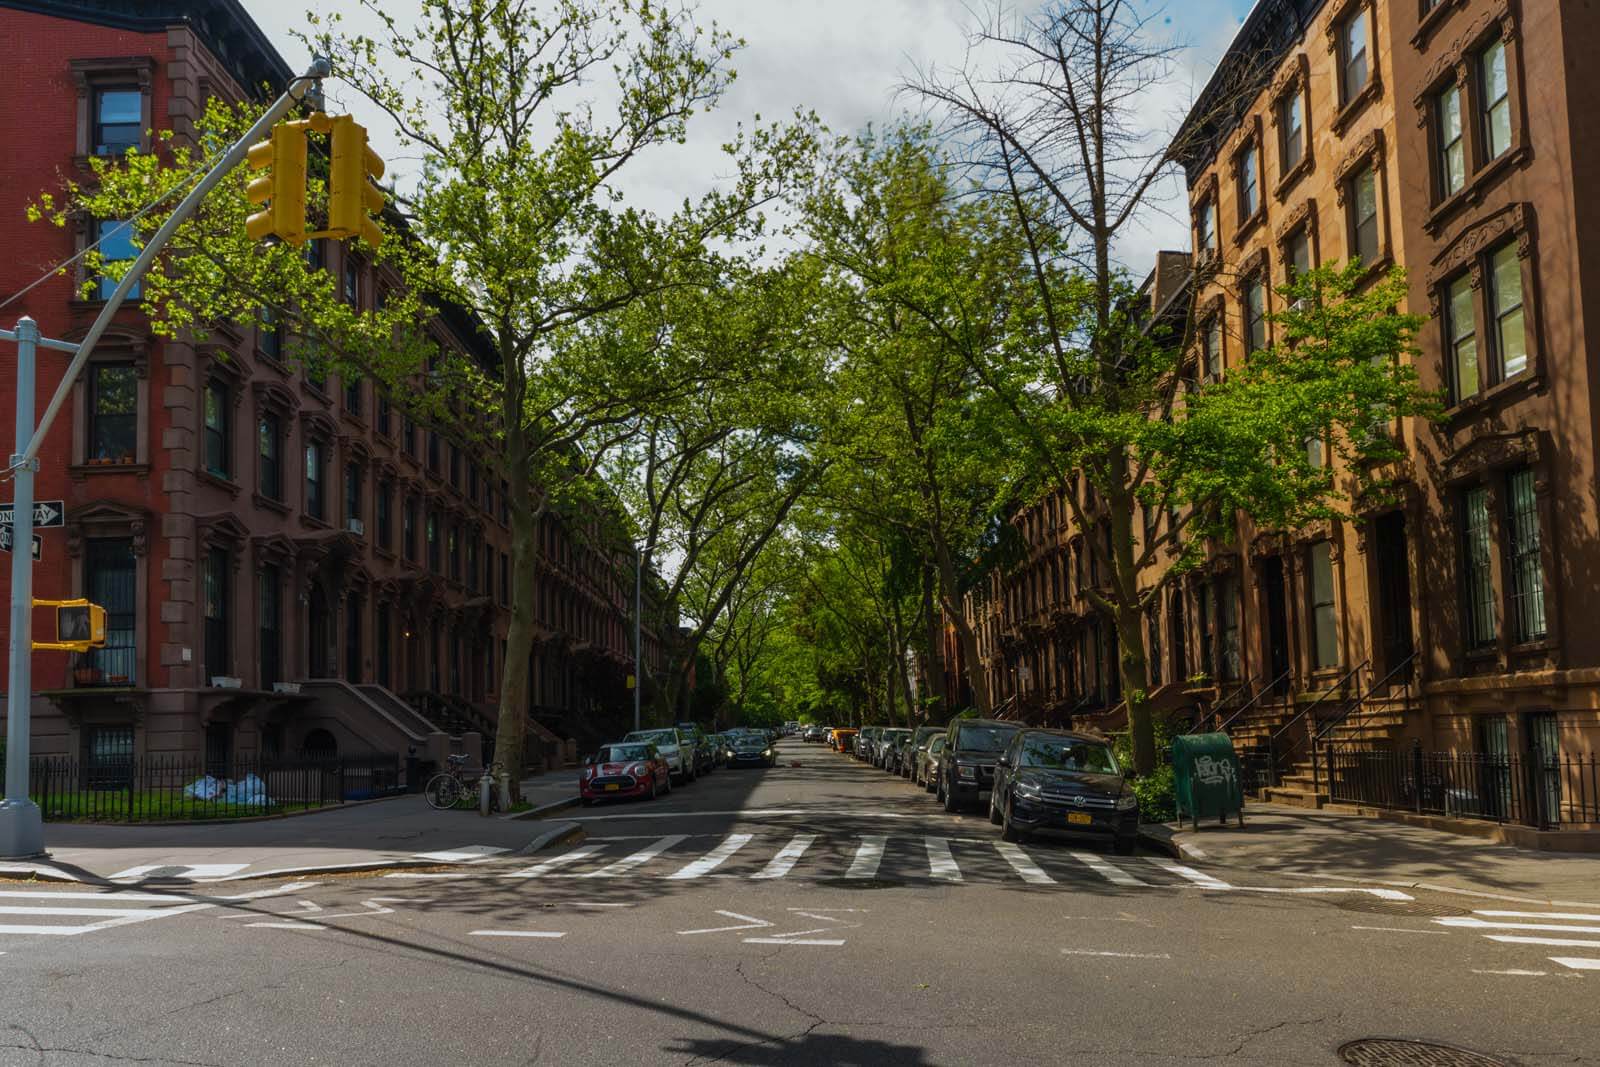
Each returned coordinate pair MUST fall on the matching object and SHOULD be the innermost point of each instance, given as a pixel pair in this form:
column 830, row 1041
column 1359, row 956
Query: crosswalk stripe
column 1023, row 864
column 1109, row 872
column 107, row 912
column 713, row 859
column 638, row 859
column 1577, row 963
column 1199, row 878
column 1558, row 942
column 462, row 854
column 787, row 857
column 868, row 855
column 563, row 860
column 1481, row 924
column 1575, row 916
column 941, row 864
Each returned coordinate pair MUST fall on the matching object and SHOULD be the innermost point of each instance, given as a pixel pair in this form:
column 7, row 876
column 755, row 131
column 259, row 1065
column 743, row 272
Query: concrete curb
column 544, row 809
column 562, row 833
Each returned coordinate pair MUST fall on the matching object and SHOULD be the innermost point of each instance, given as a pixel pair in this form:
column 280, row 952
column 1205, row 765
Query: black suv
column 967, row 767
column 1063, row 781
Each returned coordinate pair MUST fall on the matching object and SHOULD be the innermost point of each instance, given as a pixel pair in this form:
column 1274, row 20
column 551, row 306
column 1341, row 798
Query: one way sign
column 5, row 542
column 46, row 513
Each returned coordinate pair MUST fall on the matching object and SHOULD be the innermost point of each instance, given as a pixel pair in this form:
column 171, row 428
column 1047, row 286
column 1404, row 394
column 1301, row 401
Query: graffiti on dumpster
column 1211, row 771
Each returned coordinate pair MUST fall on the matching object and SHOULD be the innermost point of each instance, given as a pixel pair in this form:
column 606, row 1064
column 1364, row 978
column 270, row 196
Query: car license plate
column 1079, row 818
column 613, row 787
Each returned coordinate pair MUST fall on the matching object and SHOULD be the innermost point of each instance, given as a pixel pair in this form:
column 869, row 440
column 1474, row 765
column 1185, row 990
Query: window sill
column 1248, row 226
column 314, row 523
column 316, row 391
column 1543, row 646
column 1291, row 177
column 267, row 359
column 1356, row 105
column 352, row 417
column 269, row 503
column 1472, row 194
column 383, row 553
column 1430, row 23
column 79, row 471
column 1495, row 397
column 212, row 478
column 1379, row 267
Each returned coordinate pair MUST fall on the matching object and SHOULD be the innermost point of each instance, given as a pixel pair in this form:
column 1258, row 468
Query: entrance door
column 219, row 749
column 1277, row 620
column 1393, row 575
column 1544, row 765
column 1495, row 789
column 352, row 639
column 317, row 665
column 381, row 639
column 1180, row 644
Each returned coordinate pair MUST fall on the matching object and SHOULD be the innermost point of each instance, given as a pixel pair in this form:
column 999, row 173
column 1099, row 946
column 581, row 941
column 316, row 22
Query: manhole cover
column 1399, row 1052
column 1376, row 906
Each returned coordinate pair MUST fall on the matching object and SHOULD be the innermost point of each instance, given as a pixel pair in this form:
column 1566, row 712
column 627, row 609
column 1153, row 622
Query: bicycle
column 448, row 789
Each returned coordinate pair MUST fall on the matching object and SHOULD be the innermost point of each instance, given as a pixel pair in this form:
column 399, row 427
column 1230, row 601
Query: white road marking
column 275, row 891
column 787, row 857
column 1558, row 942
column 1023, row 864
column 1399, row 930
column 310, row 905
column 115, row 894
column 1577, row 963
column 462, row 854
column 786, row 941
column 1109, row 872
column 566, row 858
column 748, row 922
column 1381, row 894
column 1121, row 955
column 1199, row 878
column 1524, row 974
column 868, row 855
column 595, row 904
column 941, row 865
column 638, row 859
column 713, row 859
column 1572, row 915
column 118, row 917
column 288, row 925
column 1484, row 924
column 519, row 933
column 185, row 870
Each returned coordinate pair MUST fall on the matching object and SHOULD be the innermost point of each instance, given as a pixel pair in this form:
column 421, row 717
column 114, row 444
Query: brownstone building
column 289, row 564
column 1452, row 137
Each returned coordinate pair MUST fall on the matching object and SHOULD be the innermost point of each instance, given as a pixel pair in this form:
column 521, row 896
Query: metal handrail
column 1338, row 686
column 1373, row 688
column 1270, row 687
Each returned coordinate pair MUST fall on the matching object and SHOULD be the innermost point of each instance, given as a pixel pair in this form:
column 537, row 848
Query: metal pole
column 638, row 643
column 320, row 68
column 21, row 824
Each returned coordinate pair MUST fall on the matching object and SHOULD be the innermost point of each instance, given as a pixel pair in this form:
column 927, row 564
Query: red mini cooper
column 624, row 769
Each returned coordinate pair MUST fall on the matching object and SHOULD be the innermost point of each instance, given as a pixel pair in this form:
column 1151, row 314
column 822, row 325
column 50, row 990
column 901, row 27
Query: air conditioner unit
column 290, row 688
column 223, row 681
column 356, row 526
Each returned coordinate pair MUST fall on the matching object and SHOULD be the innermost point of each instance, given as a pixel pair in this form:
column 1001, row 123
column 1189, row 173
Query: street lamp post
column 638, row 643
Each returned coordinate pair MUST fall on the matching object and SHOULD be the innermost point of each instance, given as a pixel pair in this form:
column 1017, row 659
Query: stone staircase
column 1375, row 725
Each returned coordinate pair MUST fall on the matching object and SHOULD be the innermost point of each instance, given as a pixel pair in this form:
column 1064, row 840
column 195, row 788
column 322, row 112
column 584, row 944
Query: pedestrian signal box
column 80, row 626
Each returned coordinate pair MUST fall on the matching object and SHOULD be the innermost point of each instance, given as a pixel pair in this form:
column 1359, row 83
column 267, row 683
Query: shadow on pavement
column 808, row 1048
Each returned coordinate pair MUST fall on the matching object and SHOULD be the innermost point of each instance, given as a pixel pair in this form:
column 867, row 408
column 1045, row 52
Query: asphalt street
column 820, row 912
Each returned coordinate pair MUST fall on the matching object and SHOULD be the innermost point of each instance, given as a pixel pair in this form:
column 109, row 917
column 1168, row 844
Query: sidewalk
column 1291, row 840
column 396, row 832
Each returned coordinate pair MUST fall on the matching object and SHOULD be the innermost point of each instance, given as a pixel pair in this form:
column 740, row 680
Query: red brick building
column 288, row 565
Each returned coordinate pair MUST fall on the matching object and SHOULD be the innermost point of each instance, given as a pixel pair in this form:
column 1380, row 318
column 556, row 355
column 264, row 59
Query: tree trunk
column 977, row 674
column 512, row 729
column 1135, row 677
column 935, row 659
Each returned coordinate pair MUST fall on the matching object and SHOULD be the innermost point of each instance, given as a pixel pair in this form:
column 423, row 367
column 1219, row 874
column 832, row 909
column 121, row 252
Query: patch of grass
column 124, row 806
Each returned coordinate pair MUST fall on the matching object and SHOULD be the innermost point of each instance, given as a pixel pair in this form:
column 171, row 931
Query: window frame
column 1480, row 628
column 1472, row 255
column 94, row 76
column 316, row 479
column 273, row 489
column 217, row 441
column 94, row 417
column 1457, row 146
column 1486, row 108
column 1526, row 584
column 1323, row 610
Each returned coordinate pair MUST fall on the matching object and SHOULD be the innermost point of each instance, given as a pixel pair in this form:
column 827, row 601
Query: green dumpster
column 1206, row 778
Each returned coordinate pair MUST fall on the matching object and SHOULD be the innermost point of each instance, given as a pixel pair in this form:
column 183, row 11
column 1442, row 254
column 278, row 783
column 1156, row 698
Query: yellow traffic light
column 80, row 625
column 283, row 191
column 352, row 197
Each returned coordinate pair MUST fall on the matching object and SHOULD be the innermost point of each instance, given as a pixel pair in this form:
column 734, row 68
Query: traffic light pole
column 21, row 824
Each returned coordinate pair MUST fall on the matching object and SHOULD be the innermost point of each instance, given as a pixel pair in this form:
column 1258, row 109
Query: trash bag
column 248, row 790
column 206, row 788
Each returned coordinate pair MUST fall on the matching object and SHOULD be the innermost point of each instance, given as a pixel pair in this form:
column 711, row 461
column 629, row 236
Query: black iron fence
column 1532, row 790
column 169, row 788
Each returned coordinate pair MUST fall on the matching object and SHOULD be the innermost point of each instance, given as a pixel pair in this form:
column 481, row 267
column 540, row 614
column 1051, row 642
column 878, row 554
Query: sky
column 844, row 59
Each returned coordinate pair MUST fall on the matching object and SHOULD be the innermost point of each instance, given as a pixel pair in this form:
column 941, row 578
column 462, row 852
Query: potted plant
column 86, row 675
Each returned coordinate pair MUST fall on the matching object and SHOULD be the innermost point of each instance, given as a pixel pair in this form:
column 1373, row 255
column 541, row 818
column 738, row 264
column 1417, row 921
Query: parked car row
column 1030, row 780
column 647, row 763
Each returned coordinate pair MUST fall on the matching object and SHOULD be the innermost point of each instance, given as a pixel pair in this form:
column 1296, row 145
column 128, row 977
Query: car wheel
column 655, row 788
column 951, row 803
column 1009, row 830
column 1125, row 845
column 994, row 811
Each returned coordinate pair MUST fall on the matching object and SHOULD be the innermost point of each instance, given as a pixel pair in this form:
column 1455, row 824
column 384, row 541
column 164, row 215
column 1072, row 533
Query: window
column 453, row 550
column 1207, row 225
column 1228, row 662
column 1207, row 628
column 315, row 506
column 118, row 120
column 1316, row 451
column 1297, row 253
column 352, row 495
column 216, row 572
column 1291, row 130
column 1463, row 339
column 408, row 529
column 408, row 435
column 113, row 412
column 1363, row 195
column 1324, row 618
column 505, row 578
column 433, row 451
column 269, row 612
column 1505, row 310
column 352, row 282
column 115, row 240
column 110, row 579
column 382, row 519
column 382, row 425
column 1249, row 182
column 217, row 404
column 455, row 465
column 1495, row 94
column 432, row 537
column 1355, row 67
column 472, row 563
column 1211, row 349
column 1526, row 607
column 110, row 757
column 352, row 395
column 1255, row 313
column 1452, row 162
column 1477, row 574
column 269, row 332
column 1153, row 630
column 269, row 441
